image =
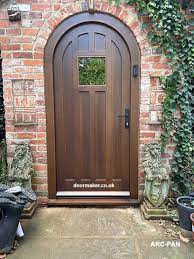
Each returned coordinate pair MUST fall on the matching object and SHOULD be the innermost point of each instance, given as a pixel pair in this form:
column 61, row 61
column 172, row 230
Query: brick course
column 22, row 45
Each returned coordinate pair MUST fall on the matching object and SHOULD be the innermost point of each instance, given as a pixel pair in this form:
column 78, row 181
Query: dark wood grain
column 86, row 138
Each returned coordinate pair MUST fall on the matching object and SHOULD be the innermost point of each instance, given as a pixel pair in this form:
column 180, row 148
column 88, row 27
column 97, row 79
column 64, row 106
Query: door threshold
column 93, row 202
column 93, row 194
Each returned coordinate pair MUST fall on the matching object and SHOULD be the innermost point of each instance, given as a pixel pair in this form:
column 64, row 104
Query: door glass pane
column 91, row 70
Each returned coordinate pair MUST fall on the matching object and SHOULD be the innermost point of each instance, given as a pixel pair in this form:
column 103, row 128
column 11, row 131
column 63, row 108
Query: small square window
column 91, row 71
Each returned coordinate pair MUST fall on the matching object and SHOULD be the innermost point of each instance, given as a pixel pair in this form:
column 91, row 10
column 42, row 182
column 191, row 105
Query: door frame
column 129, row 38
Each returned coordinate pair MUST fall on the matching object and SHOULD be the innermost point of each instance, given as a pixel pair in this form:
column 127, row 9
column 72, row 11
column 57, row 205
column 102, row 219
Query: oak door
column 92, row 112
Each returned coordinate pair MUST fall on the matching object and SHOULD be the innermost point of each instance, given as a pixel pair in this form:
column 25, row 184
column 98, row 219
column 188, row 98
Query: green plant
column 170, row 32
column 3, row 162
column 3, row 147
column 2, row 119
column 91, row 71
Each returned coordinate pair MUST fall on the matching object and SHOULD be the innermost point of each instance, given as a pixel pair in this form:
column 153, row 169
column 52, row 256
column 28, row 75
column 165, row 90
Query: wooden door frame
column 133, row 47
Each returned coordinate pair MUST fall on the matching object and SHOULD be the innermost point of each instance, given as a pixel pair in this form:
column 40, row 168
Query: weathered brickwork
column 22, row 46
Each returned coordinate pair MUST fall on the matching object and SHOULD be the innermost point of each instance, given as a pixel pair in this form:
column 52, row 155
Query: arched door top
column 99, row 17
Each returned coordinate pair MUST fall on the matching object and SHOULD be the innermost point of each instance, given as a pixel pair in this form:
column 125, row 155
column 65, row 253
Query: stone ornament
column 14, row 13
column 157, row 180
column 21, row 167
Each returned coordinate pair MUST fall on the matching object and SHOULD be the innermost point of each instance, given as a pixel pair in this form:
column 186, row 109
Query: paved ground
column 97, row 233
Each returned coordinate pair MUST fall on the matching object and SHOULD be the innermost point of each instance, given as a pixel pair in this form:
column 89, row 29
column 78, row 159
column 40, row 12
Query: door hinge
column 135, row 70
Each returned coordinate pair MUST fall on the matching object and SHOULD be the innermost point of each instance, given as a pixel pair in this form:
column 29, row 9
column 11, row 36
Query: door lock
column 126, row 116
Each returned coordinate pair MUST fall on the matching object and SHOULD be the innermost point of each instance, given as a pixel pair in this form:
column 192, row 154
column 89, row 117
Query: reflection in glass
column 91, row 70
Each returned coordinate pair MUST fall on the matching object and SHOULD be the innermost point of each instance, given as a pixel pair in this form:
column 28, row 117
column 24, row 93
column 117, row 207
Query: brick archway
column 124, row 13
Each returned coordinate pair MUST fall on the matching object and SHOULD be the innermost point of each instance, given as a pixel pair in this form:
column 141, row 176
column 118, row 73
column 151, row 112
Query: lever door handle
column 126, row 116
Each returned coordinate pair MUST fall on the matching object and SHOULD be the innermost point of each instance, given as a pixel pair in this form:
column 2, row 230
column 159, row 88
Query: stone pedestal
column 29, row 210
column 151, row 212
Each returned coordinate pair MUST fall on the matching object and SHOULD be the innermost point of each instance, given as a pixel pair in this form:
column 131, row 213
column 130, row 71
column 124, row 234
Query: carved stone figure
column 156, row 176
column 21, row 167
column 14, row 13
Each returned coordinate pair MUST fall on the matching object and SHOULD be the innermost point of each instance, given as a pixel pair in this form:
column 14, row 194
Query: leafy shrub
column 3, row 161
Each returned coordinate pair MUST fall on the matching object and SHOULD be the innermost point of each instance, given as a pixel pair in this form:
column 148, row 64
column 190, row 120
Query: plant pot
column 185, row 212
column 9, row 219
column 192, row 220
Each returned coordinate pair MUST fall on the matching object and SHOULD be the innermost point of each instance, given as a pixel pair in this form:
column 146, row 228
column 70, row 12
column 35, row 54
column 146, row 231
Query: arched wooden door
column 94, row 117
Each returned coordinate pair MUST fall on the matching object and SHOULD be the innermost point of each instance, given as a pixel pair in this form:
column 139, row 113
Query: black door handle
column 126, row 116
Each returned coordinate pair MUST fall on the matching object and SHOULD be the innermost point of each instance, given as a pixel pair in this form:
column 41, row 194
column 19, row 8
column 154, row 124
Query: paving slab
column 96, row 233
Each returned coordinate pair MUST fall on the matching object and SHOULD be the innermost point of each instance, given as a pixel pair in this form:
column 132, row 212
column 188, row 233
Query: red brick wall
column 22, row 45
